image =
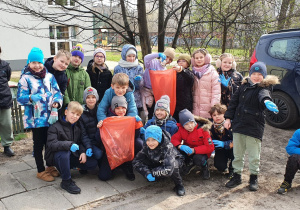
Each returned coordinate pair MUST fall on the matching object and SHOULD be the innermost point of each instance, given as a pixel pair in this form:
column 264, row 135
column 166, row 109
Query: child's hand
column 227, row 124
column 55, row 105
column 219, row 144
column 186, row 149
column 74, row 147
column 162, row 56
column 100, row 123
column 89, row 152
column 137, row 118
column 82, row 158
column 138, row 78
column 177, row 68
column 150, row 178
column 271, row 106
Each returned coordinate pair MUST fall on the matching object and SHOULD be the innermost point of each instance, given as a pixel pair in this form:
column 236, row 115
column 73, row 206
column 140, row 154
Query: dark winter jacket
column 225, row 136
column 167, row 125
column 61, row 136
column 234, row 83
column 162, row 159
column 100, row 80
column 60, row 76
column 184, row 90
column 246, row 108
column 5, row 94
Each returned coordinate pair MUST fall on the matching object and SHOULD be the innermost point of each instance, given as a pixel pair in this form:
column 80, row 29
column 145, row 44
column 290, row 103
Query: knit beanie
column 163, row 103
column 79, row 51
column 185, row 57
column 169, row 51
column 130, row 52
column 259, row 67
column 153, row 131
column 90, row 91
column 35, row 55
column 186, row 116
column 100, row 50
column 118, row 101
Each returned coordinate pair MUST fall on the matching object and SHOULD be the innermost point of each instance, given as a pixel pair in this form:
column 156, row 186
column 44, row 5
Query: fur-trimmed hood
column 206, row 124
column 268, row 81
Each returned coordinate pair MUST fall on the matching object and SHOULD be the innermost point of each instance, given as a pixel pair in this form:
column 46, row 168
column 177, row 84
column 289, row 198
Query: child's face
column 189, row 126
column 183, row 63
column 119, row 90
column 160, row 114
column 36, row 66
column 256, row 77
column 91, row 101
column 72, row 116
column 60, row 63
column 168, row 60
column 199, row 59
column 99, row 59
column 76, row 61
column 217, row 117
column 226, row 64
column 120, row 111
column 130, row 58
column 152, row 143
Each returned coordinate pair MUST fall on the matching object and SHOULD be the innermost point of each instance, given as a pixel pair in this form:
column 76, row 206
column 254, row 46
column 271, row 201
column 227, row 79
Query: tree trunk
column 224, row 37
column 143, row 28
column 126, row 24
column 282, row 15
column 290, row 14
column 161, row 30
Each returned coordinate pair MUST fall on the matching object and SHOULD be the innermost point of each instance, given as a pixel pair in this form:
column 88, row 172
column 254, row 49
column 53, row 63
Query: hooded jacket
column 151, row 63
column 293, row 147
column 168, row 125
column 246, row 108
column 5, row 94
column 184, row 90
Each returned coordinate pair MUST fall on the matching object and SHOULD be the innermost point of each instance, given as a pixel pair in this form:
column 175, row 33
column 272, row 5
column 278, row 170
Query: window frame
column 285, row 57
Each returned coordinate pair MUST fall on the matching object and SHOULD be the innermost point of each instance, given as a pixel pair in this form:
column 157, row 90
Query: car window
column 285, row 49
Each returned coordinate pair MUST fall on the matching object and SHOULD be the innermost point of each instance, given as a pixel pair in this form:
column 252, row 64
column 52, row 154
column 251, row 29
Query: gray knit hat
column 100, row 50
column 90, row 91
column 118, row 101
column 163, row 103
column 186, row 116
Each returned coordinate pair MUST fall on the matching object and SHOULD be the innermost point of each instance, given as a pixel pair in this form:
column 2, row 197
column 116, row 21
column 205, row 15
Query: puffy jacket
column 206, row 92
column 184, row 90
column 226, row 136
column 30, row 84
column 162, row 159
column 293, row 146
column 61, row 136
column 151, row 63
column 246, row 108
column 5, row 94
column 168, row 125
column 78, row 81
column 60, row 76
column 100, row 80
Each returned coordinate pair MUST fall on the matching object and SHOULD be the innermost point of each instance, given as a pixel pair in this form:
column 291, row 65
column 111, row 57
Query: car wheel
column 288, row 113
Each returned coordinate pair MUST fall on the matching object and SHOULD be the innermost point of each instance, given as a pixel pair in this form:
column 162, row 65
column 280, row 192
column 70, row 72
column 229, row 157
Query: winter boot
column 205, row 172
column 128, row 170
column 70, row 186
column 234, row 181
column 253, row 183
column 230, row 174
column 284, row 187
column 8, row 151
column 179, row 189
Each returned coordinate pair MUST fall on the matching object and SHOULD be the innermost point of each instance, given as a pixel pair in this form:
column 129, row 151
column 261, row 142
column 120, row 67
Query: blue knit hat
column 155, row 132
column 79, row 51
column 35, row 55
column 186, row 116
column 259, row 67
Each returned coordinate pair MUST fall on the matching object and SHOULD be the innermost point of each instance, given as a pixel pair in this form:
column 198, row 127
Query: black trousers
column 39, row 136
column 292, row 166
column 222, row 156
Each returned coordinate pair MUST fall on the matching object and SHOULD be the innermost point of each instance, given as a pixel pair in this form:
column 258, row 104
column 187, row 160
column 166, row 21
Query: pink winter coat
column 206, row 92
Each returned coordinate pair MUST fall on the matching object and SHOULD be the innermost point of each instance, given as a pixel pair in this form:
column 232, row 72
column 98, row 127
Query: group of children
column 165, row 146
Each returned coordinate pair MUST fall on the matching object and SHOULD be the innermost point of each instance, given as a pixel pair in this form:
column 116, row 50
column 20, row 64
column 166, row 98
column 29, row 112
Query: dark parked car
column 280, row 51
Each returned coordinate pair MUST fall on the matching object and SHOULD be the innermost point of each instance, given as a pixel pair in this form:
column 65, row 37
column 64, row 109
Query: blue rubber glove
column 137, row 118
column 74, row 147
column 137, row 81
column 89, row 152
column 138, row 78
column 223, row 80
column 142, row 130
column 150, row 178
column 186, row 149
column 162, row 56
column 271, row 106
column 53, row 116
column 219, row 144
column 36, row 97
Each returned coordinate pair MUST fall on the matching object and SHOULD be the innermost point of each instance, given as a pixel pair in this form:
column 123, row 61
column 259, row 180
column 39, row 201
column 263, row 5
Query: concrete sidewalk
column 20, row 189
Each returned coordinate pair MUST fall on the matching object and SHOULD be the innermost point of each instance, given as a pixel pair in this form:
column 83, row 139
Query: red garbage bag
column 117, row 135
column 164, row 83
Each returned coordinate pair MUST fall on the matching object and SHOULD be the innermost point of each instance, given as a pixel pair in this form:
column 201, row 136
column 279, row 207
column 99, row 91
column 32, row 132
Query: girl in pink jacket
column 207, row 88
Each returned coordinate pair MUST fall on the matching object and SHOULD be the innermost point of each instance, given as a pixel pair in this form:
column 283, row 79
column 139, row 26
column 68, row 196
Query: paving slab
column 43, row 198
column 9, row 186
column 2, row 207
column 29, row 160
column 16, row 166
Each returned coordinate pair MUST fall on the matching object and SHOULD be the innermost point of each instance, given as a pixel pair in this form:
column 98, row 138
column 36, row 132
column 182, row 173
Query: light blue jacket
column 293, row 146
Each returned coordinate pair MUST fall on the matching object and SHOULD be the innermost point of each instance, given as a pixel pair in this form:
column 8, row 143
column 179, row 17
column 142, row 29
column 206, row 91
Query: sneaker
column 230, row 174
column 70, row 186
column 205, row 172
column 8, row 151
column 45, row 176
column 188, row 168
column 284, row 187
column 253, row 183
column 53, row 171
column 179, row 189
column 234, row 181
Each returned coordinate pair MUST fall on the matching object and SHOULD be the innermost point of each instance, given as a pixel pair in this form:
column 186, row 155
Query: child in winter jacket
column 65, row 149
column 184, row 85
column 207, row 89
column 99, row 73
column 292, row 166
column 246, row 116
column 78, row 78
column 230, row 79
column 39, row 93
column 194, row 142
column 159, row 158
column 222, row 139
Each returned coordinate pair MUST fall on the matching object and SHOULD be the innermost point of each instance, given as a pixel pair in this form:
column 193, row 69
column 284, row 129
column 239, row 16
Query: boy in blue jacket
column 292, row 166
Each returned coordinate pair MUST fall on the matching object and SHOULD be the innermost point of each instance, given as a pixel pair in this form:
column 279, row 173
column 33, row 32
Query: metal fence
column 16, row 113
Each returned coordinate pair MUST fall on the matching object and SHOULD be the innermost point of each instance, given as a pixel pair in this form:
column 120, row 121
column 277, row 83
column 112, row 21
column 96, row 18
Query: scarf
column 126, row 64
column 199, row 71
column 40, row 74
column 219, row 126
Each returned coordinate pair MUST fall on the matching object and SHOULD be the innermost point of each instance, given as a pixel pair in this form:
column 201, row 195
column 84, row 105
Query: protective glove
column 89, row 152
column 138, row 78
column 223, row 80
column 271, row 106
column 36, row 97
column 74, row 147
column 137, row 118
column 142, row 130
column 186, row 149
column 53, row 116
column 137, row 81
column 162, row 56
column 219, row 144
column 150, row 178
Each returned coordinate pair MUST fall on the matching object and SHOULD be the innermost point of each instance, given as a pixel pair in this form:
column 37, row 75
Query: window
column 61, row 37
column 285, row 49
column 62, row 2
